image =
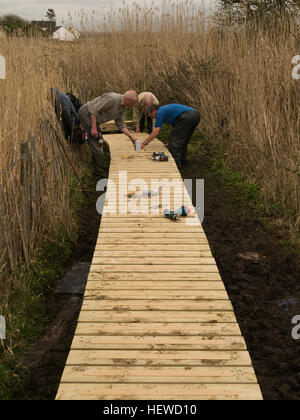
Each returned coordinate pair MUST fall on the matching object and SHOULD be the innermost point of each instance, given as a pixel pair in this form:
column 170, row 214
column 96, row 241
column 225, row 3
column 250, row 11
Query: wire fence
column 11, row 166
column 32, row 195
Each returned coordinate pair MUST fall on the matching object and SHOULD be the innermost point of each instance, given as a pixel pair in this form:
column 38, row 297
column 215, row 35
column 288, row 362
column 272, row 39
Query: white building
column 64, row 34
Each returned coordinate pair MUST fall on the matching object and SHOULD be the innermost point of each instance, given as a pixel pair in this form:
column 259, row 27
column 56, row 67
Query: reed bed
column 35, row 181
column 239, row 78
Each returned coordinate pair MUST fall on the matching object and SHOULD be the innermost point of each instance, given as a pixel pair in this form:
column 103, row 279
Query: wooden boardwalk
column 156, row 321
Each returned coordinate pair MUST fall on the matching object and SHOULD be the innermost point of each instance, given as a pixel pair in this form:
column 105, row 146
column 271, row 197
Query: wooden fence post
column 35, row 184
column 25, row 198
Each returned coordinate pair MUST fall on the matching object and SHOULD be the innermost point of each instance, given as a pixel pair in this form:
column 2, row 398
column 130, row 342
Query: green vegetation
column 14, row 25
column 27, row 315
column 246, row 192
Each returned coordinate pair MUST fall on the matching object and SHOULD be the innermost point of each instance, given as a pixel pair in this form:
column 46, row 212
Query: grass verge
column 27, row 315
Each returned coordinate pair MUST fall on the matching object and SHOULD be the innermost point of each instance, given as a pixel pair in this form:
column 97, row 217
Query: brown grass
column 243, row 74
column 34, row 188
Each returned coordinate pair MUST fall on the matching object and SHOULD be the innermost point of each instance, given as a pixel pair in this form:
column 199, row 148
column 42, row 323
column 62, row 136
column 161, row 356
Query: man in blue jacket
column 184, row 121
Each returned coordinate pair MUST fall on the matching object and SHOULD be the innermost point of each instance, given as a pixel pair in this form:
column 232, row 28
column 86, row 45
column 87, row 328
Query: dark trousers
column 181, row 134
column 98, row 147
column 149, row 124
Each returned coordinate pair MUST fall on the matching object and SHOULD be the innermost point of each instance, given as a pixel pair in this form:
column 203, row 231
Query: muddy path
column 261, row 278
column 263, row 283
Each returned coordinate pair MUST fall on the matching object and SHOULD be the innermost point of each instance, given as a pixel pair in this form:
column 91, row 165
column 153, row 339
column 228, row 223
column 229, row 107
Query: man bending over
column 184, row 121
column 110, row 106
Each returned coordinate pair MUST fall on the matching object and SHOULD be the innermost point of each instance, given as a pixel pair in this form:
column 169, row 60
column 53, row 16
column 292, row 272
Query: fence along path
column 156, row 321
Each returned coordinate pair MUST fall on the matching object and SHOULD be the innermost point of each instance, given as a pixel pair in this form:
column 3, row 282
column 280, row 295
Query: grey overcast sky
column 36, row 9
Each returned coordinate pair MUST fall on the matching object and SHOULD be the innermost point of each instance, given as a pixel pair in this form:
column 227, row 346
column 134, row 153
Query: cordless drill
column 177, row 214
column 161, row 157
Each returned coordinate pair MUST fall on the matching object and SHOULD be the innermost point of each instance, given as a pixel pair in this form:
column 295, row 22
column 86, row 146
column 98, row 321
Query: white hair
column 131, row 95
column 148, row 99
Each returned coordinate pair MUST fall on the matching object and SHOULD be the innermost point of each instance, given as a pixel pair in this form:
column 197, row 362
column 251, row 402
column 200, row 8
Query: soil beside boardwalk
column 261, row 278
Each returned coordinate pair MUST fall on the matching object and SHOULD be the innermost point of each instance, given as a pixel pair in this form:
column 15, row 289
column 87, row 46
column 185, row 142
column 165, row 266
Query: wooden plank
column 135, row 194
column 153, row 220
column 155, row 316
column 159, row 357
column 147, row 215
column 157, row 294
column 157, row 328
column 157, row 374
column 137, row 252
column 153, row 342
column 173, row 249
column 111, row 126
column 152, row 235
column 159, row 392
column 155, row 172
column 151, row 230
column 151, row 305
column 165, row 223
column 98, row 274
column 142, row 240
column 154, row 285
column 211, row 268
column 138, row 260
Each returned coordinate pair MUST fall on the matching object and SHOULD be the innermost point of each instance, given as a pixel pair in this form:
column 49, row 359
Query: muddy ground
column 263, row 283
column 261, row 277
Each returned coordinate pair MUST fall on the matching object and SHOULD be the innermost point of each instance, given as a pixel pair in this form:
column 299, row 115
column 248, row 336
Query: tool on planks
column 144, row 192
column 69, row 159
column 158, row 206
column 150, row 193
column 161, row 157
column 176, row 215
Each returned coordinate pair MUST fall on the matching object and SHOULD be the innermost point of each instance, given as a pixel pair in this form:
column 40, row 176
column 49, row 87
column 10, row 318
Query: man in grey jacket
column 107, row 107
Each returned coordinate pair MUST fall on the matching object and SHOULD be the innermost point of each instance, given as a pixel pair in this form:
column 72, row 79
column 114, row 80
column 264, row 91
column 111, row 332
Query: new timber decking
column 156, row 321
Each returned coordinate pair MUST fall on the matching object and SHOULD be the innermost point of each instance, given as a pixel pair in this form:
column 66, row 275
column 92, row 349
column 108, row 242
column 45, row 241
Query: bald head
column 130, row 98
column 148, row 99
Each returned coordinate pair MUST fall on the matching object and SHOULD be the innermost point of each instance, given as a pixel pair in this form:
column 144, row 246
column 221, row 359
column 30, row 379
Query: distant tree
column 12, row 20
column 252, row 10
column 50, row 15
column 15, row 25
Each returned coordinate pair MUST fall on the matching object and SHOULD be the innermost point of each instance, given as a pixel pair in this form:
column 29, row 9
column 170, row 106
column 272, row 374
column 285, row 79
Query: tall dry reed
column 238, row 75
column 34, row 180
